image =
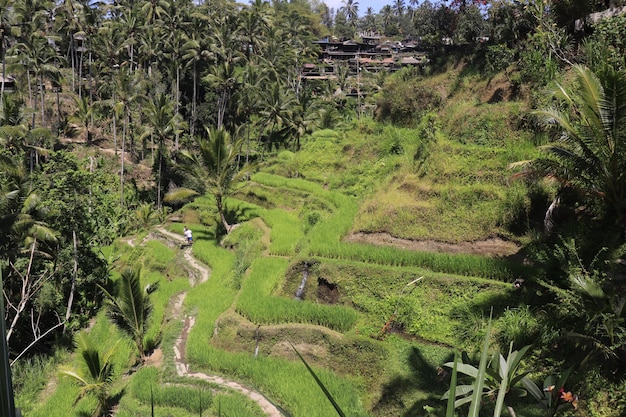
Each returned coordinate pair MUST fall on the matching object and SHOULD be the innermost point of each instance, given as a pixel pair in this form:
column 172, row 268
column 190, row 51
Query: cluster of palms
column 150, row 74
column 424, row 20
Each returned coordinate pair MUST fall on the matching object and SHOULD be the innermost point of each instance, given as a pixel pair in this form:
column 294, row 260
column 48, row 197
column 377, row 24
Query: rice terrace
column 299, row 209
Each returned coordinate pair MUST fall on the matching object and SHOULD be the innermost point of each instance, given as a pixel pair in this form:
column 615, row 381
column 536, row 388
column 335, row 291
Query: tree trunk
column 25, row 294
column 195, row 99
column 70, row 298
column 58, row 111
column 122, row 163
column 177, row 103
column 4, row 67
column 220, row 210
column 159, row 175
column 114, row 125
column 43, row 94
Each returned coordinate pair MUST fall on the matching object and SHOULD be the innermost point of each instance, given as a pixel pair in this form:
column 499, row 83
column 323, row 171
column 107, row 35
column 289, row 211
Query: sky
column 376, row 5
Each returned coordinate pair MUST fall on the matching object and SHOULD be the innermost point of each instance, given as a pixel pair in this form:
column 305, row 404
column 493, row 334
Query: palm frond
column 180, row 195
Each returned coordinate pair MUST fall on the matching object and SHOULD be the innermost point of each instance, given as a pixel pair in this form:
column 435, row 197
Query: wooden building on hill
column 369, row 53
column 7, row 83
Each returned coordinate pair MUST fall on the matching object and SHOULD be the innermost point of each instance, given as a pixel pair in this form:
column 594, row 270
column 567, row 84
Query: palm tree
column 95, row 374
column 369, row 20
column 398, row 8
column 163, row 123
column 127, row 93
column 225, row 80
column 66, row 19
column 351, row 10
column 20, row 211
column 215, row 168
column 277, row 107
column 83, row 113
column 195, row 51
column 255, row 22
column 37, row 56
column 5, row 32
column 131, row 309
column 590, row 154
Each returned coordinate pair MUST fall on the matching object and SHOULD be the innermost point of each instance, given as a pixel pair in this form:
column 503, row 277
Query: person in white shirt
column 188, row 236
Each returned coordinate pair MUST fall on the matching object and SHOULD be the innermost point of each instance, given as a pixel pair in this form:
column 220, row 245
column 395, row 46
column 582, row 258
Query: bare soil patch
column 327, row 292
column 493, row 247
column 156, row 358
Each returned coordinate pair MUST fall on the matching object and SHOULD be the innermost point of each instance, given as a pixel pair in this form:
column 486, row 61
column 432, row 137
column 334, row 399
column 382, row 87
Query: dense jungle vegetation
column 454, row 231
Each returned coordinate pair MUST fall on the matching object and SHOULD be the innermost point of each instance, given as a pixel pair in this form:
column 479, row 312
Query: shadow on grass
column 424, row 381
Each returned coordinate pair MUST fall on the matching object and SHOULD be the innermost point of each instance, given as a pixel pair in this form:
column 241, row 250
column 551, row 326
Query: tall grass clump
column 235, row 405
column 146, row 386
column 30, row 376
column 247, row 243
column 257, row 305
column 286, row 231
column 287, row 383
column 459, row 264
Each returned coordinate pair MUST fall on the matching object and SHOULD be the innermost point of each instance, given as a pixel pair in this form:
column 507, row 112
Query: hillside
column 349, row 222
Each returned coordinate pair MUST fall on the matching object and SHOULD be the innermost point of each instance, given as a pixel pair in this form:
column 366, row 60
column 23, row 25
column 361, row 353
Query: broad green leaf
column 480, row 377
column 505, row 366
column 531, row 387
column 453, row 388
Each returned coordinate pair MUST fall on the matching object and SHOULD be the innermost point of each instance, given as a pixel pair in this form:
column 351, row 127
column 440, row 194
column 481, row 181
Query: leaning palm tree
column 131, row 309
column 589, row 155
column 215, row 167
column 95, row 373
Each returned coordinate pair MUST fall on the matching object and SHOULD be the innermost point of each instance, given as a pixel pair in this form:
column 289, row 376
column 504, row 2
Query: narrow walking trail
column 200, row 274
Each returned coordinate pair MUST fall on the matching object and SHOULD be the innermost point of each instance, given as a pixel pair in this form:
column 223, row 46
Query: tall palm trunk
column 42, row 95
column 159, row 173
column 123, row 156
column 194, row 99
column 114, row 124
column 220, row 208
column 177, row 103
column 4, row 68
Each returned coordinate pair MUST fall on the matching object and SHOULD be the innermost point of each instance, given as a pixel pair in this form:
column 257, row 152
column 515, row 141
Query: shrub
column 404, row 101
column 498, row 57
column 517, row 325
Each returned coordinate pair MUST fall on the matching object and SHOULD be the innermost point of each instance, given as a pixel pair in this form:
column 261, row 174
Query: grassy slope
column 364, row 179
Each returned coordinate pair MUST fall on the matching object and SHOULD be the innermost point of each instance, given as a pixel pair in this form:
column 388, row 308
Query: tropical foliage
column 94, row 374
column 130, row 310
column 115, row 114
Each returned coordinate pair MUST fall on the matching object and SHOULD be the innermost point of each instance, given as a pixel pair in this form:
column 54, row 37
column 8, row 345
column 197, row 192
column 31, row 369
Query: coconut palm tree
column 131, row 309
column 95, row 374
column 127, row 93
column 225, row 80
column 351, row 9
column 277, row 107
column 589, row 155
column 216, row 169
column 83, row 113
column 163, row 123
column 38, row 58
